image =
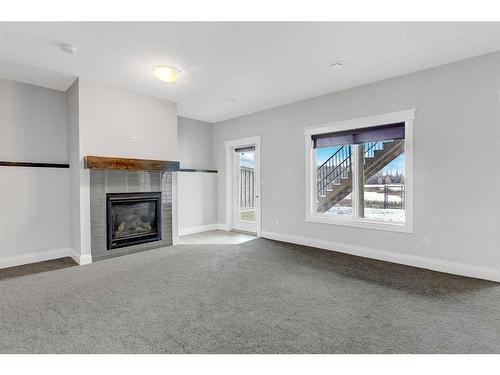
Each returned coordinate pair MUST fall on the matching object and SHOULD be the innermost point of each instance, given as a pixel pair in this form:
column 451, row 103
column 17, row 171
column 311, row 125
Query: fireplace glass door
column 133, row 218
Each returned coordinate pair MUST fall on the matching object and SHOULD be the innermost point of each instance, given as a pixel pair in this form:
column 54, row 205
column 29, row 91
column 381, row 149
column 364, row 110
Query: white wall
column 196, row 191
column 114, row 122
column 456, row 137
column 34, row 202
column 77, row 219
column 111, row 118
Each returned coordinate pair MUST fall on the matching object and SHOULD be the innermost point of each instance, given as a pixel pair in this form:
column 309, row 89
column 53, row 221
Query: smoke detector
column 68, row 48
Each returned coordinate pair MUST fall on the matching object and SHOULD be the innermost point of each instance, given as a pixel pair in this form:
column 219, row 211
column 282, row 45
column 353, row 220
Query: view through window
column 361, row 179
column 247, row 186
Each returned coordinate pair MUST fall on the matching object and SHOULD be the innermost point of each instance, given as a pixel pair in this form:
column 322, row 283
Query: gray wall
column 196, row 191
column 195, row 143
column 197, row 200
column 34, row 202
column 456, row 135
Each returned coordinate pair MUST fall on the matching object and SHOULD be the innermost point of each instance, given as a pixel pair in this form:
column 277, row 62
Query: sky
column 397, row 165
column 247, row 158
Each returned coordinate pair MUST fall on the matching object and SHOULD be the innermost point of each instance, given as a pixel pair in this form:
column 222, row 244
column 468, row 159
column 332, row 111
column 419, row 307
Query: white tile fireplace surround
column 105, row 182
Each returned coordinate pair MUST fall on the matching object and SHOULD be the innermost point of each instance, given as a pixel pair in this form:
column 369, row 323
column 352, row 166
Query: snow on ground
column 395, row 193
column 379, row 214
column 388, row 214
column 376, row 196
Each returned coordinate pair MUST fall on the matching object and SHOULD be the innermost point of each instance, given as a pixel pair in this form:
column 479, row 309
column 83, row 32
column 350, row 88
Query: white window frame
column 406, row 116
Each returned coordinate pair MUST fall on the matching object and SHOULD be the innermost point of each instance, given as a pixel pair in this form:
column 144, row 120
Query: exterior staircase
column 334, row 176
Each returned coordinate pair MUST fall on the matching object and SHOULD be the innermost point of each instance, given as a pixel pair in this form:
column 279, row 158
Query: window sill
column 360, row 223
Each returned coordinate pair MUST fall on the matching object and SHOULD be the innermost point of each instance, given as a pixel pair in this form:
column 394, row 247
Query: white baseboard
column 40, row 256
column 81, row 260
column 486, row 273
column 198, row 229
column 223, row 227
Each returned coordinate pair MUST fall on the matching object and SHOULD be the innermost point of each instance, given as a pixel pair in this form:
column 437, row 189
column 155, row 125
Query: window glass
column 371, row 172
column 247, row 186
column 384, row 181
column 334, row 180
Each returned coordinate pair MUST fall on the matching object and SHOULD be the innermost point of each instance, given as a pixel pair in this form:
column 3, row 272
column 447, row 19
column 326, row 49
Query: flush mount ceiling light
column 336, row 65
column 167, row 74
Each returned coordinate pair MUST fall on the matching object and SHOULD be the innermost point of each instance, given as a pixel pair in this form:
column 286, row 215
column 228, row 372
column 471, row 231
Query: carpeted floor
column 260, row 296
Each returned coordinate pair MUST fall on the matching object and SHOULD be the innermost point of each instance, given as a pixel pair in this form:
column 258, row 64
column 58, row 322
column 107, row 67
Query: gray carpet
column 257, row 297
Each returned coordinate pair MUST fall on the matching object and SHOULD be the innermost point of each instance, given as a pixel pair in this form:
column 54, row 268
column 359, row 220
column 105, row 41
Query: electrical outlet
column 133, row 139
column 141, row 139
column 426, row 242
column 277, row 221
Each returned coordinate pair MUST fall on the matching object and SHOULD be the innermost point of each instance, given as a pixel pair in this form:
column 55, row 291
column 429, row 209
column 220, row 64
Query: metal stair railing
column 333, row 169
column 339, row 165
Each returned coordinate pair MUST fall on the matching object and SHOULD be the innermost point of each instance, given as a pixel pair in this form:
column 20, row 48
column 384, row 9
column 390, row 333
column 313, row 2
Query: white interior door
column 244, row 189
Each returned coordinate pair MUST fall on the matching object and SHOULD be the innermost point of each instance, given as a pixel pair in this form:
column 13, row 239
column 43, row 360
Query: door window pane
column 247, row 186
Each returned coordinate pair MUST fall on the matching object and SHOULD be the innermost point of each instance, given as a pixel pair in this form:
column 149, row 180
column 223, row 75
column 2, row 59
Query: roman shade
column 379, row 133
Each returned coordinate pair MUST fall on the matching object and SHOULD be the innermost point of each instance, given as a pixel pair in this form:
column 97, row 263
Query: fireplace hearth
column 133, row 218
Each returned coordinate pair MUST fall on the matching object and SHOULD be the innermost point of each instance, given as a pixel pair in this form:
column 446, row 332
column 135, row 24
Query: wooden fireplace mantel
column 106, row 162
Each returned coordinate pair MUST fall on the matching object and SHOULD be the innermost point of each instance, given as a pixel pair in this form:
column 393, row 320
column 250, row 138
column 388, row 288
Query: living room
column 249, row 187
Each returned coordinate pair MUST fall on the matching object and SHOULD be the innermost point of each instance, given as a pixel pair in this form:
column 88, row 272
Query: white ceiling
column 258, row 65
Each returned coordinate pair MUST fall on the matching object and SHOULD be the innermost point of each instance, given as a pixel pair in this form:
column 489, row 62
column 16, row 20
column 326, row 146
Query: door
column 244, row 189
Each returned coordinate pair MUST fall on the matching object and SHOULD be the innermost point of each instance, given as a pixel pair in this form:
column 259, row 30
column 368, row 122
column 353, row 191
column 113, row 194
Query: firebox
column 133, row 218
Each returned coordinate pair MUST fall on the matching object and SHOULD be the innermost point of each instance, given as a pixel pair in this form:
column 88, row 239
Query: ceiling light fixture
column 336, row 65
column 68, row 48
column 167, row 74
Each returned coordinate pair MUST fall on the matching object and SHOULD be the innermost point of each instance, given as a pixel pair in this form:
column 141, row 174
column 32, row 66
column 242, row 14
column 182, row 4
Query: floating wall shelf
column 105, row 162
column 33, row 165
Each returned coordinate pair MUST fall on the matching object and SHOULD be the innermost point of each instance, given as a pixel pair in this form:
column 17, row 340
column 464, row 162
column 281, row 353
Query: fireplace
column 133, row 218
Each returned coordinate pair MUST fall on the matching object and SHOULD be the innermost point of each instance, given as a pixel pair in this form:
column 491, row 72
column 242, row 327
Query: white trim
column 81, row 259
column 487, row 273
column 358, row 223
column 197, row 229
column 175, row 207
column 230, row 145
column 40, row 256
column 405, row 116
column 85, row 259
column 202, row 228
column 224, row 227
column 240, row 142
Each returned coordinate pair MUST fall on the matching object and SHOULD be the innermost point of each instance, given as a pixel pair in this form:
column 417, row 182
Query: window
column 359, row 172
